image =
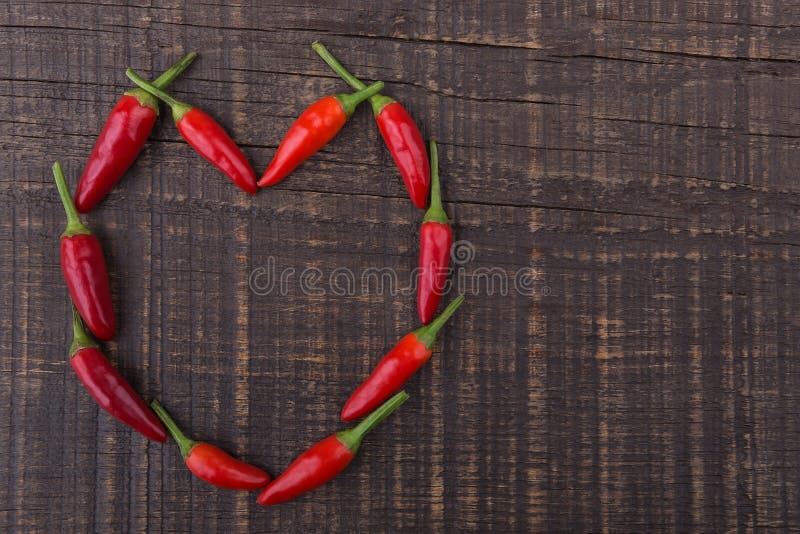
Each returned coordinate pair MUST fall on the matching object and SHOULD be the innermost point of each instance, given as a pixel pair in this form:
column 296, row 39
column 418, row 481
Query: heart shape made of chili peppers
column 84, row 268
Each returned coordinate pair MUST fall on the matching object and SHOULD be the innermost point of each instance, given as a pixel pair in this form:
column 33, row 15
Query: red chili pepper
column 325, row 459
column 210, row 463
column 206, row 136
column 312, row 130
column 399, row 131
column 435, row 240
column 397, row 366
column 112, row 392
column 121, row 139
column 84, row 268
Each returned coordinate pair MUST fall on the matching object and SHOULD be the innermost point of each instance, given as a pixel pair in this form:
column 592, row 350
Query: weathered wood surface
column 640, row 158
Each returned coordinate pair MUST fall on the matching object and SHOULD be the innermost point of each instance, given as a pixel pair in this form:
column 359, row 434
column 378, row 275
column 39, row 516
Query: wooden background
column 638, row 165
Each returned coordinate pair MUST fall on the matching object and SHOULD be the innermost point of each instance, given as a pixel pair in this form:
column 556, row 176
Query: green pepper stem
column 146, row 99
column 179, row 109
column 352, row 437
column 169, row 75
column 74, row 224
column 337, row 67
column 352, row 100
column 185, row 444
column 427, row 334
column 435, row 212
column 80, row 339
column 377, row 101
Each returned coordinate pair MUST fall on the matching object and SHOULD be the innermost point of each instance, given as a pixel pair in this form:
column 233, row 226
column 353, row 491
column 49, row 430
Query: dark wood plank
column 632, row 164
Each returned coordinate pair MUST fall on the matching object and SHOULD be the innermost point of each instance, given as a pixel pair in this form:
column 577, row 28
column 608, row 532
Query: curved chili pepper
column 312, row 130
column 435, row 240
column 84, row 268
column 111, row 392
column 206, row 136
column 325, row 459
column 399, row 131
column 210, row 463
column 121, row 139
column 397, row 366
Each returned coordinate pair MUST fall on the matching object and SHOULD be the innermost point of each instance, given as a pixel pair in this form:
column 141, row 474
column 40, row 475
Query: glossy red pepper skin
column 312, row 130
column 121, row 140
column 435, row 240
column 114, row 394
column 405, row 144
column 84, row 268
column 322, row 462
column 206, row 137
column 111, row 392
column 326, row 459
column 119, row 143
column 397, row 366
column 210, row 463
column 394, row 370
column 399, row 132
column 217, row 467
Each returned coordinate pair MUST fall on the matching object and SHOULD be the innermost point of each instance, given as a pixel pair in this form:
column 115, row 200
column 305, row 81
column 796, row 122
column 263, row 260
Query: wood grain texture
column 638, row 159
